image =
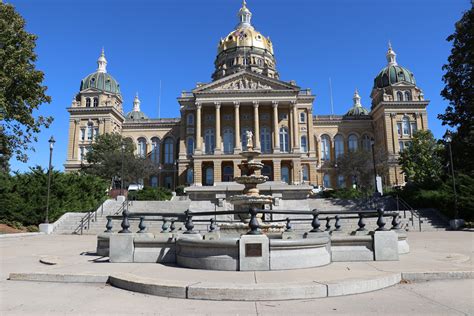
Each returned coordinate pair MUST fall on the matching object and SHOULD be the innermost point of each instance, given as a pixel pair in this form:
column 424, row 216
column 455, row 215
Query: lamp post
column 51, row 142
column 448, row 138
column 372, row 143
column 121, row 175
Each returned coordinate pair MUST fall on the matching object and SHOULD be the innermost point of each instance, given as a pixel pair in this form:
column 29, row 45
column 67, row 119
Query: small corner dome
column 393, row 73
column 136, row 115
column 357, row 109
column 100, row 79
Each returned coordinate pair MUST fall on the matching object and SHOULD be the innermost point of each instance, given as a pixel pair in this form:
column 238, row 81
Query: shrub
column 150, row 194
column 180, row 190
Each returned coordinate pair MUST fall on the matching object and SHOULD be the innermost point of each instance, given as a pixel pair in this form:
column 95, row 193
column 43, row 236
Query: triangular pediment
column 245, row 81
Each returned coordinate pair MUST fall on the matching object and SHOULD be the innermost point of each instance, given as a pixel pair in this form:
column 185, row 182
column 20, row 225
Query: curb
column 60, row 278
column 20, row 235
column 439, row 275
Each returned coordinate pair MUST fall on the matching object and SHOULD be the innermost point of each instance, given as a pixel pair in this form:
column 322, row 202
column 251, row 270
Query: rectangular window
column 413, row 127
column 83, row 133
column 399, row 129
column 401, row 145
column 96, row 132
column 81, row 149
column 89, row 132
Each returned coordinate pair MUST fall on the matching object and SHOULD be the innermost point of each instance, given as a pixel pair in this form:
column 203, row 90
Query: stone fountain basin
column 251, row 200
column 253, row 179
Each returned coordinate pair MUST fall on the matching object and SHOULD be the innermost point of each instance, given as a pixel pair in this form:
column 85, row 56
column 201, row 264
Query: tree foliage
column 150, row 194
column 104, row 159
column 357, row 165
column 422, row 160
column 23, row 195
column 459, row 90
column 21, row 89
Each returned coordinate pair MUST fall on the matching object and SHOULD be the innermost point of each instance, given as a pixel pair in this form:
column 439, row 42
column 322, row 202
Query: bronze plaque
column 253, row 250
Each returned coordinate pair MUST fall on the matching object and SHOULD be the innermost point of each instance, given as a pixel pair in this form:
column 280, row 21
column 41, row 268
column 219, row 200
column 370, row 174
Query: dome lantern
column 244, row 16
column 136, row 104
column 391, row 56
column 393, row 73
column 102, row 62
column 100, row 79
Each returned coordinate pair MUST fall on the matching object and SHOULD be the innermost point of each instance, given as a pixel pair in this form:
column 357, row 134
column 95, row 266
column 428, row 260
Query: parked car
column 135, row 187
column 316, row 189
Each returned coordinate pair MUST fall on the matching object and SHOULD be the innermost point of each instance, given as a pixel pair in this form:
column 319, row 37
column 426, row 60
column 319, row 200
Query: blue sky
column 175, row 41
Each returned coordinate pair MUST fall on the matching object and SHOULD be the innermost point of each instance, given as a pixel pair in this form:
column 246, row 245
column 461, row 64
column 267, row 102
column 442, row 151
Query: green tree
column 104, row 159
column 357, row 165
column 422, row 160
column 459, row 80
column 21, row 89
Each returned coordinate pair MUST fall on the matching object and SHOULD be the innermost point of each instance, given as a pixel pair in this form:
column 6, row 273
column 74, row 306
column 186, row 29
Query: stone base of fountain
column 238, row 229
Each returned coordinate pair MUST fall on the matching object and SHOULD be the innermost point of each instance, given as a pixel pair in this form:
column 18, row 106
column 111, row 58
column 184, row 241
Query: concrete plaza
column 445, row 255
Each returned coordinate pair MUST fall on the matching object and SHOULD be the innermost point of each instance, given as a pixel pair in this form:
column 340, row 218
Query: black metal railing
column 91, row 216
column 402, row 205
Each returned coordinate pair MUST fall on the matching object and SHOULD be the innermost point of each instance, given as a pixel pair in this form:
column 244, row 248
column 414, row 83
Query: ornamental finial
column 136, row 103
column 391, row 56
column 102, row 62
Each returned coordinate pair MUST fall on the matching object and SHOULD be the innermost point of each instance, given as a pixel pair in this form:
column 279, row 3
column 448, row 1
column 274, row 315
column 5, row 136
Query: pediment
column 245, row 82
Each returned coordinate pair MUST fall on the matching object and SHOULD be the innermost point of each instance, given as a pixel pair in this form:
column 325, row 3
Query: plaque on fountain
column 253, row 250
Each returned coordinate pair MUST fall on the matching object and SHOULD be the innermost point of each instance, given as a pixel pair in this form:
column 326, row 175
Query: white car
column 317, row 189
column 135, row 187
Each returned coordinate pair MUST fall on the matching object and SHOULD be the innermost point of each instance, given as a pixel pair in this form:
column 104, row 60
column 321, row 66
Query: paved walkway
column 430, row 252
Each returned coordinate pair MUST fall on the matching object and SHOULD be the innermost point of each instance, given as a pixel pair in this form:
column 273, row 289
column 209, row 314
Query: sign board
column 253, row 250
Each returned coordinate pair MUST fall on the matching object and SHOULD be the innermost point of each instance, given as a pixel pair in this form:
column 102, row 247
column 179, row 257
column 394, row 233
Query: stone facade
column 202, row 146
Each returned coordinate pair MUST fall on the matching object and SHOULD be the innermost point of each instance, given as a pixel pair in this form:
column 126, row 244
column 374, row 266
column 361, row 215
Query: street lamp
column 448, row 138
column 121, row 176
column 372, row 143
column 51, row 142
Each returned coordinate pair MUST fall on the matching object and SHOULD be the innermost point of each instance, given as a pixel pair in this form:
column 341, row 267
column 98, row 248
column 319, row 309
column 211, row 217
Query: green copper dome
column 393, row 73
column 357, row 109
column 136, row 115
column 101, row 81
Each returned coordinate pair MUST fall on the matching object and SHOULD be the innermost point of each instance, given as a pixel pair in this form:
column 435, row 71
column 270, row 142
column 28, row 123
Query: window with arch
column 265, row 140
column 305, row 172
column 190, row 145
column 190, row 176
column 88, row 102
column 155, row 150
column 154, row 182
column 209, row 179
column 326, row 181
column 284, row 140
column 267, row 171
column 190, row 119
column 366, row 143
column 304, row 143
column 285, row 174
column 243, row 137
column 399, row 96
column 228, row 140
column 339, row 145
column 90, row 130
column 406, row 125
column 141, row 147
column 209, row 140
column 302, row 117
column 352, row 142
column 325, row 148
column 96, row 102
column 407, row 95
column 169, row 150
column 341, row 181
column 228, row 174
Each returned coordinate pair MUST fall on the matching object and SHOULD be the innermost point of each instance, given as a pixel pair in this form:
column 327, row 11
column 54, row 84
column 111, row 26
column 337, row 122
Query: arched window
column 325, row 148
column 305, row 171
column 190, row 119
column 302, row 117
column 399, row 96
column 209, row 140
column 228, row 174
column 265, row 139
column 228, row 140
column 304, row 143
column 96, row 102
column 154, row 182
column 285, row 174
column 341, row 181
column 190, row 176
column 155, row 150
column 407, row 95
column 326, row 181
column 243, row 137
column 284, row 140
column 353, row 140
column 366, row 143
column 169, row 151
column 209, row 180
column 339, row 145
column 406, row 126
column 88, row 102
column 141, row 147
column 190, row 145
column 267, row 171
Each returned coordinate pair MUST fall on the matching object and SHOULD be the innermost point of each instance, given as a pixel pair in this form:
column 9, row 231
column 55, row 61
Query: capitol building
column 202, row 146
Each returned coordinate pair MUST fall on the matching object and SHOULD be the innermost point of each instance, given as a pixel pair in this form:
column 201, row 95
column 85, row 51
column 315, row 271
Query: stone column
column 291, row 134
column 238, row 144
column 296, row 134
column 217, row 171
column 276, row 130
column 218, row 149
column 393, row 122
column 74, row 130
column 237, row 171
column 311, row 141
column 296, row 164
column 256, row 126
column 197, row 169
column 276, row 169
column 198, row 130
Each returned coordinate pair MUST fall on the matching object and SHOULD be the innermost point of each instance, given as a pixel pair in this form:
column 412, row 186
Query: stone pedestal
column 455, row 224
column 385, row 246
column 120, row 198
column 121, row 248
column 254, row 253
column 46, row 228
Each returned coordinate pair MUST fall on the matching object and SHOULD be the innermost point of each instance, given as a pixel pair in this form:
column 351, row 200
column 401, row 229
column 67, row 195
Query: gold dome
column 245, row 36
